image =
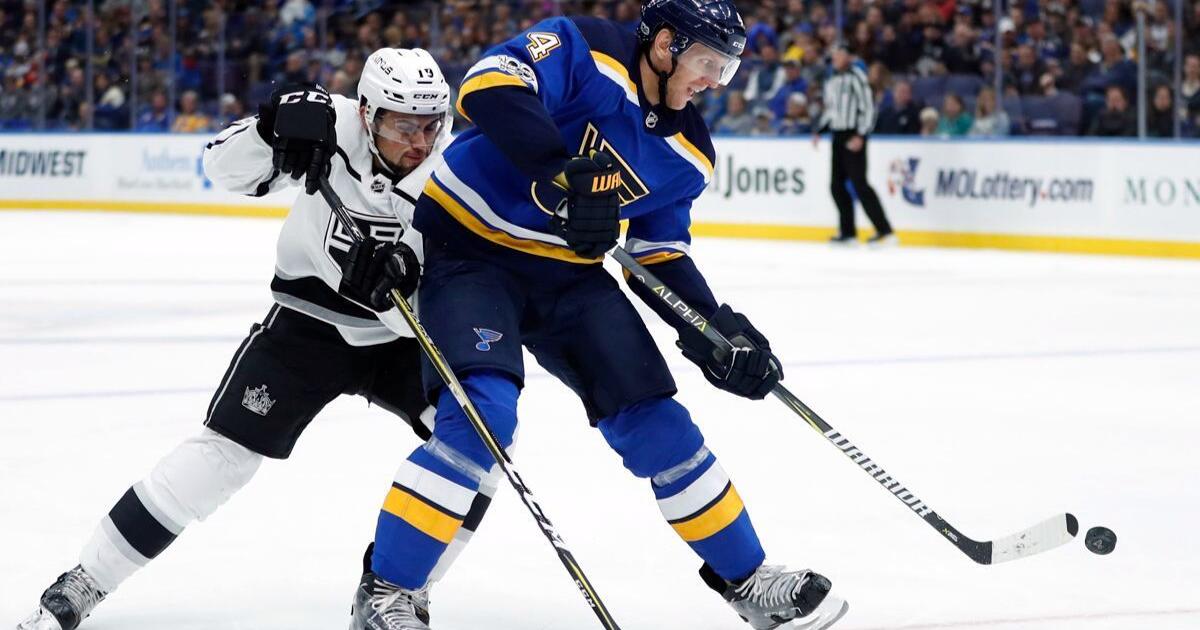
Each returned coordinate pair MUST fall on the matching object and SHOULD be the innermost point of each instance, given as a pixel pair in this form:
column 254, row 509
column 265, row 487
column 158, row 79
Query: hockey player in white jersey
column 329, row 332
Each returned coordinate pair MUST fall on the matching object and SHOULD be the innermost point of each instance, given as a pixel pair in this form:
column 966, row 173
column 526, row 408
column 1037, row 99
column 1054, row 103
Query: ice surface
column 1001, row 388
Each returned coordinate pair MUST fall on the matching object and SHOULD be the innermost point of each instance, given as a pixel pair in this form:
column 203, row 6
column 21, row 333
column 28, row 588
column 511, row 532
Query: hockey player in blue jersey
column 580, row 123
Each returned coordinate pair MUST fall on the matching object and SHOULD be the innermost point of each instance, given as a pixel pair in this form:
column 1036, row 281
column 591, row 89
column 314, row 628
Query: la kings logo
column 338, row 240
column 257, row 400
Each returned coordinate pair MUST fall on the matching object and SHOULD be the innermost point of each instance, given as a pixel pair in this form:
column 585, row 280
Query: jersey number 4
column 541, row 44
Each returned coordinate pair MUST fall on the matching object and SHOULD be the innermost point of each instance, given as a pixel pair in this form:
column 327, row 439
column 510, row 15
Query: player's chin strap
column 661, row 120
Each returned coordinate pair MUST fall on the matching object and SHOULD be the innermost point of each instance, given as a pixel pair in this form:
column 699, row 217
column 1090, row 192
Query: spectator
column 189, row 119
column 231, row 111
column 767, row 79
column 1049, row 86
column 796, row 121
column 964, row 54
column 1189, row 91
column 793, row 83
column 1160, row 120
column 929, row 122
column 1077, row 68
column 955, row 121
column 736, row 120
column 902, row 115
column 1046, row 45
column 1116, row 120
column 1027, row 70
column 764, row 122
column 154, row 117
column 1114, row 69
column 990, row 120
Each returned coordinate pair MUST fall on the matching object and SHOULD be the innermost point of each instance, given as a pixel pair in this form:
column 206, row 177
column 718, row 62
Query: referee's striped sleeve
column 865, row 102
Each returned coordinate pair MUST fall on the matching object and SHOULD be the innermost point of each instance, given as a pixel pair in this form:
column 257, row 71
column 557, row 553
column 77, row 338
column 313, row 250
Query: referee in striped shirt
column 850, row 114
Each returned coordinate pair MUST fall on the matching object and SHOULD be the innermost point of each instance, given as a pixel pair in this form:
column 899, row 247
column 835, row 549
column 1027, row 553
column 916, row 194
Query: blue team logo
column 487, row 338
column 902, row 176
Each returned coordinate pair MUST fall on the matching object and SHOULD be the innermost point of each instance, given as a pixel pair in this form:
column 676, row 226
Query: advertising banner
column 107, row 170
column 1064, row 194
column 1035, row 188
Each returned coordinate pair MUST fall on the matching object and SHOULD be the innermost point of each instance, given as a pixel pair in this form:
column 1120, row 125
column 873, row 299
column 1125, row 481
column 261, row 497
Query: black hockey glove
column 590, row 221
column 750, row 370
column 374, row 268
column 298, row 123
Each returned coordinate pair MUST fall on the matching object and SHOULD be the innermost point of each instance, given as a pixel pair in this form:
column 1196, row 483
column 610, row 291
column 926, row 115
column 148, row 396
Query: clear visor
column 715, row 66
column 416, row 130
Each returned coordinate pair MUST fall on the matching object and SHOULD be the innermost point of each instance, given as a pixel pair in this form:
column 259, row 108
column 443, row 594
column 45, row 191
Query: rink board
column 1066, row 195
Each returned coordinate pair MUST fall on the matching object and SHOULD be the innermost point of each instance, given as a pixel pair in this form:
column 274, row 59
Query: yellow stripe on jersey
column 616, row 67
column 484, row 81
column 427, row 519
column 712, row 520
column 697, row 153
column 659, row 257
column 472, row 223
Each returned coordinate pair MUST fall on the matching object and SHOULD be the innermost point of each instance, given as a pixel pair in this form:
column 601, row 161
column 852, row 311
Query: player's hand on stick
column 373, row 268
column 590, row 221
column 750, row 370
column 298, row 123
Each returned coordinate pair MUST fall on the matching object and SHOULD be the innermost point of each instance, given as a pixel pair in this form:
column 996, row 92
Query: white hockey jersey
column 313, row 244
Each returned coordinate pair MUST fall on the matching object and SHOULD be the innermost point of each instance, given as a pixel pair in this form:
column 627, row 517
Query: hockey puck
column 1100, row 540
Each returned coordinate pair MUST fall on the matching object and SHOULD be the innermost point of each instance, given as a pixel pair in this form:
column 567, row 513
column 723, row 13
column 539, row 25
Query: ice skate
column 776, row 598
column 66, row 603
column 381, row 605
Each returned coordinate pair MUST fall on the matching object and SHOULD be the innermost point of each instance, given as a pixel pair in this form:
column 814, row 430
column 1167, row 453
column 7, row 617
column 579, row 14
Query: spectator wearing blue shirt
column 154, row 117
column 796, row 120
column 767, row 79
column 1114, row 69
column 793, row 83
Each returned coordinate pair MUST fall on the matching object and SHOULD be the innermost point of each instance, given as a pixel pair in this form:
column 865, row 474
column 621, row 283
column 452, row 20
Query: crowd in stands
column 1066, row 67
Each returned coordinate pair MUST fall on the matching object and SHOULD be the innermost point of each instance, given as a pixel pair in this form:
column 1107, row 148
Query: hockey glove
column 298, row 123
column 590, row 220
column 750, row 370
column 374, row 268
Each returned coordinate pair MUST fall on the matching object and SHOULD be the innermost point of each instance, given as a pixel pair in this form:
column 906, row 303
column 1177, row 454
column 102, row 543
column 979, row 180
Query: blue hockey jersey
column 584, row 72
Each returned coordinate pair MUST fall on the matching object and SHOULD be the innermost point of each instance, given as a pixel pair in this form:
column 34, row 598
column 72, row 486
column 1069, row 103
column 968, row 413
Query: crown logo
column 257, row 400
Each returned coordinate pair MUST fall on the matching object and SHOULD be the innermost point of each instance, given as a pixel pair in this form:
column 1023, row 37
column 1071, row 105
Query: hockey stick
column 481, row 427
column 1044, row 536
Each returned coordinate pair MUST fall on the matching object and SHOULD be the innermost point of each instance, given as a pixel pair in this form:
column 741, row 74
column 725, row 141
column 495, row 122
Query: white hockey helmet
column 407, row 81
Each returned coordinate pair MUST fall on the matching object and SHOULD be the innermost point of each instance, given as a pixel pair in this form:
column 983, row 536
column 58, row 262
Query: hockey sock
column 442, row 490
column 704, row 508
column 189, row 484
column 657, row 439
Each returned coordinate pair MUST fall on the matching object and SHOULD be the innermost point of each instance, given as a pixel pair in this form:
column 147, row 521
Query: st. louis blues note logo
column 487, row 338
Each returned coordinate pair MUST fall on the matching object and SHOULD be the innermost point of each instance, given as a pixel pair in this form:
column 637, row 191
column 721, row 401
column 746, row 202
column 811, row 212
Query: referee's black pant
column 852, row 165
